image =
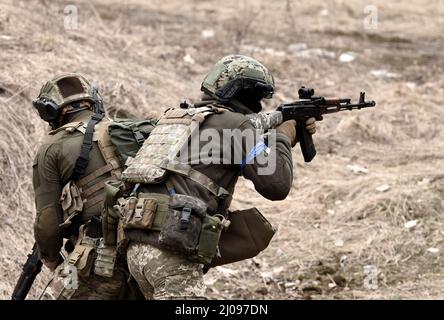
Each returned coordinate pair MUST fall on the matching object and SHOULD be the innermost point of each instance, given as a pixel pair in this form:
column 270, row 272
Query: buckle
column 222, row 193
column 139, row 137
column 82, row 162
column 97, row 116
column 185, row 218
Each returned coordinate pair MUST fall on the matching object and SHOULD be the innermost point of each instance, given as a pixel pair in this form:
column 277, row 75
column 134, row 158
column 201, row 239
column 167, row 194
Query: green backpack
column 128, row 136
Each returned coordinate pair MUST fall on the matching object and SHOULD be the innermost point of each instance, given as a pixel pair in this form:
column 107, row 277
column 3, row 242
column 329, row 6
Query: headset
column 48, row 110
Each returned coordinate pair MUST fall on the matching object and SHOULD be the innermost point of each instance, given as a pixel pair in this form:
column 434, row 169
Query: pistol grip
column 306, row 141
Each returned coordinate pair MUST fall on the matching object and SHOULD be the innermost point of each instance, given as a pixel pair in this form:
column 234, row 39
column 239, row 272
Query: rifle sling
column 83, row 159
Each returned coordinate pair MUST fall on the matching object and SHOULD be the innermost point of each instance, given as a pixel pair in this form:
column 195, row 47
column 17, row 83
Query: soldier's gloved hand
column 289, row 129
column 310, row 125
column 51, row 265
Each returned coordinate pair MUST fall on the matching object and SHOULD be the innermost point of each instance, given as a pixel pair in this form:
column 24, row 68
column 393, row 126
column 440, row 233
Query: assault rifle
column 31, row 269
column 308, row 106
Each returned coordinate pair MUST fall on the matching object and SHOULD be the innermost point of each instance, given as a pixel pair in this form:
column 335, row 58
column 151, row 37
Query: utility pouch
column 122, row 240
column 82, row 257
column 110, row 217
column 71, row 202
column 182, row 225
column 248, row 234
column 209, row 239
column 139, row 213
column 106, row 260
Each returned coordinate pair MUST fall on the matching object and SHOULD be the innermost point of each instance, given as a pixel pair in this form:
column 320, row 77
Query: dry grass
column 135, row 52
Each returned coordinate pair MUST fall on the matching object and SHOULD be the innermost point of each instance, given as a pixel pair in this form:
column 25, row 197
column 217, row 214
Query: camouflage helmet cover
column 67, row 88
column 246, row 71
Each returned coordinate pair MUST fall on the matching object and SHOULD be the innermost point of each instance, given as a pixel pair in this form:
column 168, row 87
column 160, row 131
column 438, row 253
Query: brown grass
column 135, row 52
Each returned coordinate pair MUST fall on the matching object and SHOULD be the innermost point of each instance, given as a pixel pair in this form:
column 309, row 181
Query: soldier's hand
column 289, row 129
column 51, row 265
column 310, row 125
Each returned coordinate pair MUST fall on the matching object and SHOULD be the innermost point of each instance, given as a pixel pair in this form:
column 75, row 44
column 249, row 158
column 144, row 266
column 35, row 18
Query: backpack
column 128, row 135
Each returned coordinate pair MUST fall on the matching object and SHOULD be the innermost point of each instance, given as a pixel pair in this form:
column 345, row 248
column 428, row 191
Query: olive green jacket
column 52, row 168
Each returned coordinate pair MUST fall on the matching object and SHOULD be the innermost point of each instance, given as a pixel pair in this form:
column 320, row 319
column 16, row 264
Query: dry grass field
column 372, row 199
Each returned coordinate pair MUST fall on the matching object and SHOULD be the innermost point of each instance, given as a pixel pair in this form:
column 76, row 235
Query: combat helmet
column 235, row 73
column 63, row 90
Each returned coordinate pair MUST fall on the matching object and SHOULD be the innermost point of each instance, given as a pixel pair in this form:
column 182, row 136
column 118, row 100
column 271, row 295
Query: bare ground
column 374, row 194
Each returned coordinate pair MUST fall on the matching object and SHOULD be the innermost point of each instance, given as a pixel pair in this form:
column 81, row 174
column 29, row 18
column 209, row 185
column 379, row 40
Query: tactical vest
column 79, row 195
column 158, row 155
column 184, row 222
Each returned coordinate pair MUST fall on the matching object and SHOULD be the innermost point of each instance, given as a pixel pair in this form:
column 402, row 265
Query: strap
column 198, row 177
column 83, row 159
column 93, row 201
column 108, row 150
column 95, row 174
column 93, row 189
column 185, row 121
column 186, row 116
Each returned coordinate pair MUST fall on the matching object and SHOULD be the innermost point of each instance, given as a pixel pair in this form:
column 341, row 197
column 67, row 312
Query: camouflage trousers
column 66, row 284
column 164, row 275
column 63, row 286
column 75, row 277
column 71, row 283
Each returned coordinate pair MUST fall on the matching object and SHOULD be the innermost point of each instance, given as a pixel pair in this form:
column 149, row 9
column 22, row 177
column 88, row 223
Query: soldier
column 158, row 258
column 69, row 173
